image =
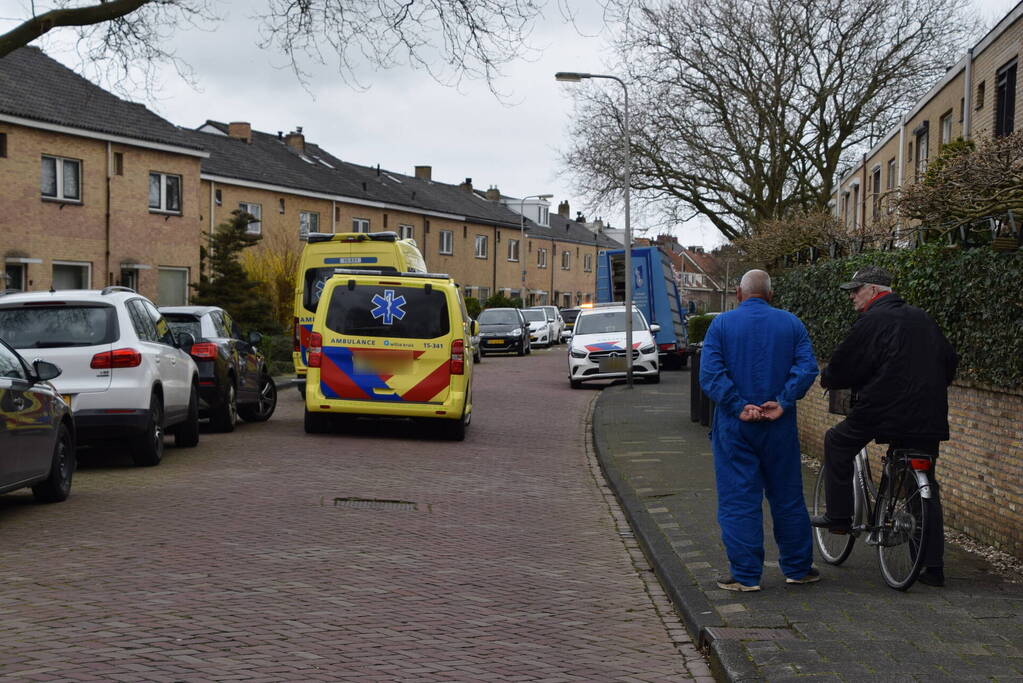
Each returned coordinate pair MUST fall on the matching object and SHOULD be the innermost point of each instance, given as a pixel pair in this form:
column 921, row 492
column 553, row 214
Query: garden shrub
column 973, row 295
column 698, row 325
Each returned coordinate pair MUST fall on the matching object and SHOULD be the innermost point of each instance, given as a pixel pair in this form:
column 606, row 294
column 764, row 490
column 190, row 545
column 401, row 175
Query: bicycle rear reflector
column 920, row 463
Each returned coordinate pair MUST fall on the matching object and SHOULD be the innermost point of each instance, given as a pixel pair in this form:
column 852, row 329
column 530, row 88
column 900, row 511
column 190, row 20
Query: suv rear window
column 569, row 314
column 56, row 326
column 315, row 278
column 388, row 311
column 184, row 322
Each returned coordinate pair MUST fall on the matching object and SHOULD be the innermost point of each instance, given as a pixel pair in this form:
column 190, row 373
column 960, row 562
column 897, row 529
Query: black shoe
column 932, row 576
column 837, row 525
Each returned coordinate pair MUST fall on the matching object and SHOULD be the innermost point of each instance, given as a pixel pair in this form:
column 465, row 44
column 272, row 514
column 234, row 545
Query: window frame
column 566, row 259
column 513, row 250
column 478, row 242
column 256, row 226
column 945, row 128
column 406, row 231
column 163, row 208
column 59, row 195
column 587, row 263
column 1005, row 91
column 449, row 237
column 359, row 223
column 541, row 257
column 312, row 225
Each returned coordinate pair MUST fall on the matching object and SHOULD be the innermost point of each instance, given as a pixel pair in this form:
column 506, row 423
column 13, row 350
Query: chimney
column 424, row 172
column 493, row 194
column 563, row 209
column 467, row 185
column 240, row 130
column 579, row 217
column 598, row 225
column 295, row 140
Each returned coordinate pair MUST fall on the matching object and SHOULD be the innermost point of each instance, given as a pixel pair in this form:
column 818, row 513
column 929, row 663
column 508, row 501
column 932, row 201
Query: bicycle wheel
column 902, row 515
column 834, row 548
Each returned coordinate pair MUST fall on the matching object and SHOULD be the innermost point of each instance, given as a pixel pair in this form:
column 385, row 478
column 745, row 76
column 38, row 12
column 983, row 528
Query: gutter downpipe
column 213, row 221
column 108, row 276
column 496, row 236
column 863, row 194
column 967, row 96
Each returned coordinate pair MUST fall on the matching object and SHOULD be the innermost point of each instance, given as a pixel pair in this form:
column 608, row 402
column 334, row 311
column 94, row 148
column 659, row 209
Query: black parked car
column 503, row 330
column 234, row 379
column 37, row 431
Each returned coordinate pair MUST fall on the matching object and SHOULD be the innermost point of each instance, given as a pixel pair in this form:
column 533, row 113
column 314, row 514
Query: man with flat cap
column 899, row 365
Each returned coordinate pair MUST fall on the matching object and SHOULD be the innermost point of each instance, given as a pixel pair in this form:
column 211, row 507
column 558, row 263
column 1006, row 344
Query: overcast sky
column 405, row 118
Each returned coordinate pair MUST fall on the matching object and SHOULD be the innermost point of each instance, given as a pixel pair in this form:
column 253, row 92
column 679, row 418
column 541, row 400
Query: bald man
column 756, row 363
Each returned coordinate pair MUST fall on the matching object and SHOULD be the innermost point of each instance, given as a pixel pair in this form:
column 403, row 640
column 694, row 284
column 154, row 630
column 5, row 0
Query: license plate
column 67, row 399
column 612, row 364
column 496, row 342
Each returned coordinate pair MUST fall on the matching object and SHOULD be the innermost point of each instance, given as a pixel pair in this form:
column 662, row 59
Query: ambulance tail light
column 314, row 352
column 296, row 336
column 458, row 357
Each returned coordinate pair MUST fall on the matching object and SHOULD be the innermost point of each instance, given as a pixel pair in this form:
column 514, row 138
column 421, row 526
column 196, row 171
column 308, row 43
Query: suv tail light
column 118, row 358
column 204, row 351
column 666, row 347
column 458, row 357
column 295, row 336
column 314, row 352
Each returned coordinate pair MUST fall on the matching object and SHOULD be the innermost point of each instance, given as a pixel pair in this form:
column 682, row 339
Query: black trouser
column 841, row 444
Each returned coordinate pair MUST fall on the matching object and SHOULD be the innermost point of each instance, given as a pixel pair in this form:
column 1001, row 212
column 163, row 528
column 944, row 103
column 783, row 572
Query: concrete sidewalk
column 848, row 627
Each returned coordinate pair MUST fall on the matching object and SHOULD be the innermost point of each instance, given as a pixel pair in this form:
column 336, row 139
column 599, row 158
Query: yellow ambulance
column 393, row 345
column 326, row 252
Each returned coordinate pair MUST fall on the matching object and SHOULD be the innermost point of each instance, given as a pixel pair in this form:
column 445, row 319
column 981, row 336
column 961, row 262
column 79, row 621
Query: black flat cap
column 870, row 275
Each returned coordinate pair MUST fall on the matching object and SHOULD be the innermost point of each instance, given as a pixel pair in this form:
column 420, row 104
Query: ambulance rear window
column 388, row 311
column 315, row 278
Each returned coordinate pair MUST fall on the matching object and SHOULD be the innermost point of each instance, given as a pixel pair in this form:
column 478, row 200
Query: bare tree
column 744, row 110
column 450, row 39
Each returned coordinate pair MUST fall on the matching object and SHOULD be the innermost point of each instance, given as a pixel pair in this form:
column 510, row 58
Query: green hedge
column 975, row 295
column 698, row 325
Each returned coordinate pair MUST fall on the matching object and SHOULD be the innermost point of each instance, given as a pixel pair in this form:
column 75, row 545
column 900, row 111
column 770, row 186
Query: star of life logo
column 388, row 308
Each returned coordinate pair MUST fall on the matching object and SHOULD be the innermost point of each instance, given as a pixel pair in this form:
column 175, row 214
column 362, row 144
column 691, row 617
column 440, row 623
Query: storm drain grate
column 374, row 504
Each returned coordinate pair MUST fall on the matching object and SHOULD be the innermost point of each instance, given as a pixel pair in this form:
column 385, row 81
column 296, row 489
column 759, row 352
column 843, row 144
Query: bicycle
column 894, row 515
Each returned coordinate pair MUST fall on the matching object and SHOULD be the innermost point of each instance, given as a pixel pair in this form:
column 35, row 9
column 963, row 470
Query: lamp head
column 570, row 76
column 544, row 196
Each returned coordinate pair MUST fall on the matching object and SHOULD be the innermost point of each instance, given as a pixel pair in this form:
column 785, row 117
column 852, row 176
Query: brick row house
column 102, row 191
column 975, row 98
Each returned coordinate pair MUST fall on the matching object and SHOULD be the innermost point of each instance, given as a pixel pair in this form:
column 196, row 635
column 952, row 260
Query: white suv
column 597, row 349
column 124, row 375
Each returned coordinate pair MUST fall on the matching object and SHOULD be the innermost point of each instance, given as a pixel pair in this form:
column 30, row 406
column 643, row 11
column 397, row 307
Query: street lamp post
column 575, row 77
column 522, row 239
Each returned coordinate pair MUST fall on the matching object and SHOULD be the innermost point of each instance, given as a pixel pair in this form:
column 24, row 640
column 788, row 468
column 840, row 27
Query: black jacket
column 899, row 365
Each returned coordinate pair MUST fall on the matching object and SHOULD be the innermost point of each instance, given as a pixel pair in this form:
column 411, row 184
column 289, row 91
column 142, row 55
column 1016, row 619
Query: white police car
column 597, row 350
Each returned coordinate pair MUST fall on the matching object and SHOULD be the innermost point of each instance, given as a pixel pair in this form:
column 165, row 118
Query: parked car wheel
column 57, row 486
column 264, row 407
column 316, row 423
column 477, row 355
column 575, row 384
column 454, row 430
column 147, row 448
column 301, row 389
column 225, row 416
column 186, row 434
column 656, row 379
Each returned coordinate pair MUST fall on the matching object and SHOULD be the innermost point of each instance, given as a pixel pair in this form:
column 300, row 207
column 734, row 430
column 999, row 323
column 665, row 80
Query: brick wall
column 981, row 466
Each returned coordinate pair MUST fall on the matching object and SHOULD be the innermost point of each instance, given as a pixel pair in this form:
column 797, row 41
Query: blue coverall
column 754, row 354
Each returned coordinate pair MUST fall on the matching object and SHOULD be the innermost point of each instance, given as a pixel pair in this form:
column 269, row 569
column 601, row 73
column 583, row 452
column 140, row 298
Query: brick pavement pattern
column 848, row 627
column 243, row 560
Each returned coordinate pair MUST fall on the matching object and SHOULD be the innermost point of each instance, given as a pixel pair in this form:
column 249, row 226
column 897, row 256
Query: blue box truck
column 654, row 292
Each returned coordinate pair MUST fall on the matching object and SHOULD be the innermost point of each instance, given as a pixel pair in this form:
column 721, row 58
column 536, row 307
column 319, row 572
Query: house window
column 893, row 174
column 566, row 259
column 481, row 246
column 921, row 152
column 588, row 263
column 118, row 163
column 513, row 250
column 172, row 288
column 165, row 192
column 308, row 222
column 280, row 205
column 405, row 232
column 61, row 178
column 484, row 293
column 14, row 277
column 256, row 210
column 541, row 258
column 360, row 225
column 218, row 197
column 980, row 96
column 447, row 241
column 71, row 275
column 946, row 128
column 1005, row 99
column 875, row 191
column 3, row 145
column 130, row 278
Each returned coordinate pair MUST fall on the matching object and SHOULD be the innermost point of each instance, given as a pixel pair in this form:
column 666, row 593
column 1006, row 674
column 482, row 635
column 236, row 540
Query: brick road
column 236, row 561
